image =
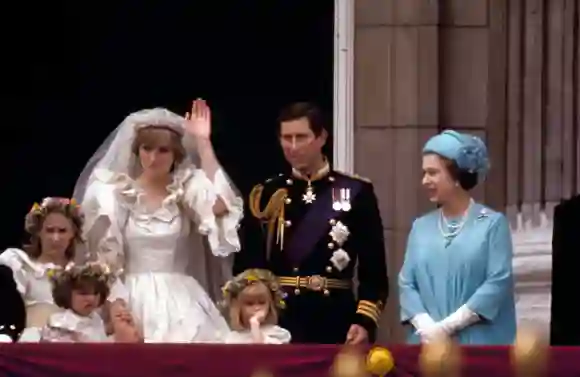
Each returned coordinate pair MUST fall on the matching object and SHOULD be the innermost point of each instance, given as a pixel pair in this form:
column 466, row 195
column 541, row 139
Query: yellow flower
column 35, row 207
column 252, row 278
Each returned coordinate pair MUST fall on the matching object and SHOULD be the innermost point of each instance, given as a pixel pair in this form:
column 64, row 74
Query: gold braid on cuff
column 370, row 309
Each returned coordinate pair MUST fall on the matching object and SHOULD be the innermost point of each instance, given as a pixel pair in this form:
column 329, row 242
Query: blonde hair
column 243, row 284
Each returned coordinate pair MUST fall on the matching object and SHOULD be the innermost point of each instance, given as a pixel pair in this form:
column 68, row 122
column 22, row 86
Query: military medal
column 336, row 203
column 345, row 199
column 309, row 196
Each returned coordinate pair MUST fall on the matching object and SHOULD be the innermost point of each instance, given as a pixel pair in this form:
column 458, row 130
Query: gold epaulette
column 354, row 176
column 273, row 212
column 272, row 208
column 370, row 309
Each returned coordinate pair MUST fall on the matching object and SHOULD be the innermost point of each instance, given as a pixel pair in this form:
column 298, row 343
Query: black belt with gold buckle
column 315, row 283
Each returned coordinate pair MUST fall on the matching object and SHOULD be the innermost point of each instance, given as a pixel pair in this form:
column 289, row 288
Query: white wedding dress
column 153, row 247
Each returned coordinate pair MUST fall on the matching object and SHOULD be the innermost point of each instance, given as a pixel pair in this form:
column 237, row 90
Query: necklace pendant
column 309, row 196
column 448, row 241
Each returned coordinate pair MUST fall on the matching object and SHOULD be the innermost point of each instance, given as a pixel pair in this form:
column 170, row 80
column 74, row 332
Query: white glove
column 459, row 320
column 433, row 333
column 427, row 328
column 5, row 338
column 422, row 321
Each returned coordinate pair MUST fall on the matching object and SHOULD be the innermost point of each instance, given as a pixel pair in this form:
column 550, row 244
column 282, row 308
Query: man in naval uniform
column 314, row 228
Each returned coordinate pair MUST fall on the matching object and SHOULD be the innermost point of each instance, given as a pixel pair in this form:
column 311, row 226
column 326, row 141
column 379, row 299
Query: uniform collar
column 321, row 173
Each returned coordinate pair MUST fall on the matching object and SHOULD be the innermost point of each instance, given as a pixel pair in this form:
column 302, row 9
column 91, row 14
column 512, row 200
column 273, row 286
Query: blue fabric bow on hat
column 467, row 151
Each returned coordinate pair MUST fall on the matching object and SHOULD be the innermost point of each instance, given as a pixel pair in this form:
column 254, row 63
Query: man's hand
column 357, row 335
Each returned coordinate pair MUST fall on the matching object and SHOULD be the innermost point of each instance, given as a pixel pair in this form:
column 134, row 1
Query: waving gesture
column 198, row 120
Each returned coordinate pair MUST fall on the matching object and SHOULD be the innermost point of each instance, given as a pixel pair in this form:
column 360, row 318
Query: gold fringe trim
column 273, row 213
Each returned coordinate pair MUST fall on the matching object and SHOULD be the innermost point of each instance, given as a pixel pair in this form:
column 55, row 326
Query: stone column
column 396, row 110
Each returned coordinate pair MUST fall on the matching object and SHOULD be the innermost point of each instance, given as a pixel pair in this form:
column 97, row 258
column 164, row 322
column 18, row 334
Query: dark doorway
column 79, row 70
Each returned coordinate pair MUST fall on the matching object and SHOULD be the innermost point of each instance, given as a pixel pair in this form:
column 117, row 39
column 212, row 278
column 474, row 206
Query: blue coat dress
column 474, row 269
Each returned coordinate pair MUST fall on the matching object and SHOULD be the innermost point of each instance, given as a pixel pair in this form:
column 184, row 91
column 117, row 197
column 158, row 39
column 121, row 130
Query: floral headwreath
column 234, row 287
column 71, row 206
column 90, row 270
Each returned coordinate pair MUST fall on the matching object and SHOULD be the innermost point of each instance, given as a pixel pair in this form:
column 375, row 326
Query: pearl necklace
column 455, row 228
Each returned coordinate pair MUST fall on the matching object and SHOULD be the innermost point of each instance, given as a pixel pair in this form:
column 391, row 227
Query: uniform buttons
column 330, row 245
column 288, row 223
column 287, row 200
column 328, row 269
column 332, row 222
column 295, row 269
column 326, row 292
column 297, row 291
column 289, row 182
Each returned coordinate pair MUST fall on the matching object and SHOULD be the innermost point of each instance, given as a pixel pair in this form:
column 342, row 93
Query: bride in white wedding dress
column 161, row 212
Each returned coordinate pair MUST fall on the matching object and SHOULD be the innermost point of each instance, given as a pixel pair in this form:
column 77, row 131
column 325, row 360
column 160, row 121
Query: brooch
column 339, row 234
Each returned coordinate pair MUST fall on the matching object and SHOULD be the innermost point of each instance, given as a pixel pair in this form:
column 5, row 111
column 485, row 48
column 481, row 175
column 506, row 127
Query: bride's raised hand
column 198, row 120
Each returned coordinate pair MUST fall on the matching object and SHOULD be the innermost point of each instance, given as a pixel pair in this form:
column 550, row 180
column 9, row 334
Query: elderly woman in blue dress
column 456, row 279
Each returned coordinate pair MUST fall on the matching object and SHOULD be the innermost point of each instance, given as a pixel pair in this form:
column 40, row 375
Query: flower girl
column 81, row 291
column 253, row 299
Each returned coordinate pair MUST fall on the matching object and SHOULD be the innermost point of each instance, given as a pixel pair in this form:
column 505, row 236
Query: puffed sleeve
column 102, row 232
column 50, row 334
column 200, row 195
column 276, row 335
column 16, row 260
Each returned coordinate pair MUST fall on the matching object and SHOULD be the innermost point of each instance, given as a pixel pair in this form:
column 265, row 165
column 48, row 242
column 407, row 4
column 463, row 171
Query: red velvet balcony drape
column 106, row 360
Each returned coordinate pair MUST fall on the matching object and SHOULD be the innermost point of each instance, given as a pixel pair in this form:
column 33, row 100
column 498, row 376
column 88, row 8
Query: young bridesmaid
column 81, row 291
column 253, row 299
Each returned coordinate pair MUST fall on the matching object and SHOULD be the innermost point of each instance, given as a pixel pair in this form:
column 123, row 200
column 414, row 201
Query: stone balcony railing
column 533, row 271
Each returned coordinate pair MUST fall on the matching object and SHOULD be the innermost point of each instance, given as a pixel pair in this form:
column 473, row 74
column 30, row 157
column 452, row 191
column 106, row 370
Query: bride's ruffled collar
column 131, row 194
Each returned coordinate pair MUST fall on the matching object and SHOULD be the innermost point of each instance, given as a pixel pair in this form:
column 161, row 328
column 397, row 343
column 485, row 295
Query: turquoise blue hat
column 468, row 151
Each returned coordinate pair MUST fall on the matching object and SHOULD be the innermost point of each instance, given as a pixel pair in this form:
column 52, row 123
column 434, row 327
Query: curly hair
column 35, row 218
column 253, row 279
column 93, row 276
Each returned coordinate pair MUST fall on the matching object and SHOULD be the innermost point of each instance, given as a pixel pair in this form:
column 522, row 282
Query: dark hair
column 466, row 180
column 35, row 218
column 62, row 290
column 306, row 110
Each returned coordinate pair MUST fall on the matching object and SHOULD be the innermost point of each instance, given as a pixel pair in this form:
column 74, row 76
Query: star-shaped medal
column 309, row 196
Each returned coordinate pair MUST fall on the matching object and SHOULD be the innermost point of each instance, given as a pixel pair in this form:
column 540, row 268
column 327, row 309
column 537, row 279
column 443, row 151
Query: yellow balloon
column 380, row 361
